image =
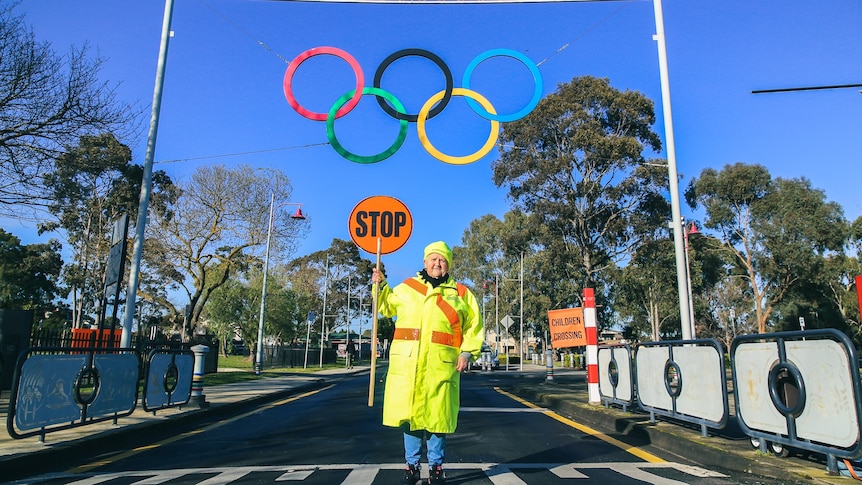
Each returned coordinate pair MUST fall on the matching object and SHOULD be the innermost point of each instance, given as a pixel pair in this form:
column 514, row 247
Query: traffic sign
column 507, row 321
column 380, row 217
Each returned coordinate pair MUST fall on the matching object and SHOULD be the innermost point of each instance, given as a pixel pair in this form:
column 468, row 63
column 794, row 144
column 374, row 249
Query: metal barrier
column 169, row 379
column 62, row 388
column 800, row 389
column 616, row 379
column 684, row 380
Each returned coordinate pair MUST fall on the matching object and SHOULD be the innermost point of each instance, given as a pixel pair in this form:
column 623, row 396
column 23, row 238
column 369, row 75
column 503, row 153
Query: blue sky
column 223, row 91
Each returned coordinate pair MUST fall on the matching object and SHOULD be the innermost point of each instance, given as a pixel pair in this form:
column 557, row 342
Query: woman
column 438, row 330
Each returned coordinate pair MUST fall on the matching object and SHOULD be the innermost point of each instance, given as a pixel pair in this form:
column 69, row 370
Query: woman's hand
column 376, row 276
column 463, row 363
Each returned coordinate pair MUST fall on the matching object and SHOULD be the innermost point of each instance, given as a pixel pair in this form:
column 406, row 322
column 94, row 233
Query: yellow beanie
column 440, row 248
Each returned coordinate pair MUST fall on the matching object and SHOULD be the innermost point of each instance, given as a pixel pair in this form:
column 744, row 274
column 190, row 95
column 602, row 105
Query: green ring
column 330, row 127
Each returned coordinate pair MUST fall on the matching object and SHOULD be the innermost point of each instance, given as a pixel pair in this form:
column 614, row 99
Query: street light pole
column 258, row 361
column 309, row 321
column 673, row 177
column 520, row 279
column 687, row 231
column 497, row 311
column 323, row 313
column 523, row 353
column 258, row 364
column 347, row 333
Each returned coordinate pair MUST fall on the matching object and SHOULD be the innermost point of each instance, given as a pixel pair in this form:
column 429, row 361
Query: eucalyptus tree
column 90, row 187
column 29, row 273
column 491, row 258
column 343, row 274
column 777, row 230
column 645, row 292
column 216, row 227
column 49, row 101
column 233, row 310
column 576, row 165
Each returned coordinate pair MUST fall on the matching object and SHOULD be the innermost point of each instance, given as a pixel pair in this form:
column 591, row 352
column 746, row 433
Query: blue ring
column 537, row 77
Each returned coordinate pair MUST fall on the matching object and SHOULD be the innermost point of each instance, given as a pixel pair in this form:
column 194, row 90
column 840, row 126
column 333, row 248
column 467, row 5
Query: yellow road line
column 126, row 454
column 643, row 455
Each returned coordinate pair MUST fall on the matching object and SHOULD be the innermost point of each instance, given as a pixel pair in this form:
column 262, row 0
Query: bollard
column 549, row 364
column 198, row 379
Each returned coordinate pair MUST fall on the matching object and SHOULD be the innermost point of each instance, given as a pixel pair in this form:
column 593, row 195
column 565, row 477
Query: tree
column 230, row 312
column 778, row 231
column 342, row 273
column 90, row 187
column 492, row 247
column 576, row 165
column 645, row 296
column 216, row 227
column 48, row 102
column 234, row 310
column 29, row 274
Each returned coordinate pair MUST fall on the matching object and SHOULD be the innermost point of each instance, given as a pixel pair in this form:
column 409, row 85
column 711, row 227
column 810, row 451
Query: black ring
column 613, row 371
column 436, row 110
column 667, row 385
column 792, row 376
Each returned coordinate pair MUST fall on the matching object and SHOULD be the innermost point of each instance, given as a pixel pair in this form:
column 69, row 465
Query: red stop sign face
column 380, row 217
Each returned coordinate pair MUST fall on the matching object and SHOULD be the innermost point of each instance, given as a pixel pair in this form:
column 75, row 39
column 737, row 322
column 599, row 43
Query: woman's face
column 436, row 265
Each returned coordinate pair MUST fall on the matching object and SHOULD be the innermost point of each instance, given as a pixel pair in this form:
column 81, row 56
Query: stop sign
column 380, row 217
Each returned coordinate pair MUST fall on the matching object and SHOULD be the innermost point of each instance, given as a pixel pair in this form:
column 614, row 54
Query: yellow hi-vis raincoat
column 433, row 326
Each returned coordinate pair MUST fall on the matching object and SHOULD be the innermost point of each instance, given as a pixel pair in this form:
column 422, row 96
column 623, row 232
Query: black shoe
column 411, row 475
column 435, row 475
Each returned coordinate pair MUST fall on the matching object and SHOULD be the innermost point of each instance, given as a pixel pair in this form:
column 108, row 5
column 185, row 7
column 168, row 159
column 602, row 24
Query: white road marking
column 503, row 410
column 364, row 474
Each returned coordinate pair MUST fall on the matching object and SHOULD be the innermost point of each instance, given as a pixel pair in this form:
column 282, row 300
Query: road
column 331, row 436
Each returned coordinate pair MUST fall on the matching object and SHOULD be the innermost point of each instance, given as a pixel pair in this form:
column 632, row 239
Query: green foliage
column 778, row 231
column 90, row 187
column 216, row 227
column 28, row 273
column 344, row 275
column 576, row 166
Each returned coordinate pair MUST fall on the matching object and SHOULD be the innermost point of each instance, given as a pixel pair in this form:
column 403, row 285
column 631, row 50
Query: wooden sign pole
column 374, row 294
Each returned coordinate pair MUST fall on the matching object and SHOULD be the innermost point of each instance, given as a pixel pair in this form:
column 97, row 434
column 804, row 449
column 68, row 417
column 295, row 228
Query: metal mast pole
column 676, row 214
column 258, row 364
column 147, row 180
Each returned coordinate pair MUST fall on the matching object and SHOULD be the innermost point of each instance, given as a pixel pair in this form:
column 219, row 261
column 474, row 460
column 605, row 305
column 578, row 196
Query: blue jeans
column 436, row 444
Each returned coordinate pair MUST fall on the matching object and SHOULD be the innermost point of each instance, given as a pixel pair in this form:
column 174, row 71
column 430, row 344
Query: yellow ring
column 423, row 137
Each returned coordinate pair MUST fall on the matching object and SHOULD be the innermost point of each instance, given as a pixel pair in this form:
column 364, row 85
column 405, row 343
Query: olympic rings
column 422, row 53
column 537, row 77
column 291, row 70
column 434, row 106
column 423, row 136
column 330, row 127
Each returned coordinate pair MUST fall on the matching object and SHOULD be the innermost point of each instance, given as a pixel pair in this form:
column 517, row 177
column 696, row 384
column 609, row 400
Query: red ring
column 294, row 64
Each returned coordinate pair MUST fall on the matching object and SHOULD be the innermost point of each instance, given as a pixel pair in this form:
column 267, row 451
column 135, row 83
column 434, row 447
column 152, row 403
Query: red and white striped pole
column 590, row 326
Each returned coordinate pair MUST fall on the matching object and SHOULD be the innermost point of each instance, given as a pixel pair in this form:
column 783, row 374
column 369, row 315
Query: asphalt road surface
column 331, row 436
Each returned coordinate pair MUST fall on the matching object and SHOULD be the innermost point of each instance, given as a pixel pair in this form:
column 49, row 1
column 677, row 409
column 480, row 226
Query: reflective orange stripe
column 406, row 334
column 452, row 340
column 416, row 285
column 447, row 310
column 454, row 320
column 443, row 339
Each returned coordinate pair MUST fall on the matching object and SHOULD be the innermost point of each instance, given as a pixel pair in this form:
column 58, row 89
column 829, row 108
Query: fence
column 799, row 389
column 105, row 339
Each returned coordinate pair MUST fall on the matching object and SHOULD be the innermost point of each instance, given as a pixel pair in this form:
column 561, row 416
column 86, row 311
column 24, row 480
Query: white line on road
column 365, row 474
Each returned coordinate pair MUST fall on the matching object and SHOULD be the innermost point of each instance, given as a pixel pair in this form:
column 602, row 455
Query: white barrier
column 683, row 379
column 800, row 389
column 616, row 382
